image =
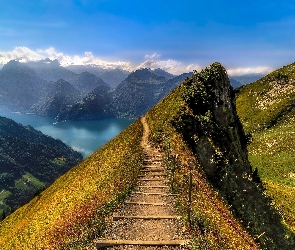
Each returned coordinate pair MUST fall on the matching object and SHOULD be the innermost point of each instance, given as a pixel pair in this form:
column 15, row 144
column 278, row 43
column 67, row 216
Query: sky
column 254, row 36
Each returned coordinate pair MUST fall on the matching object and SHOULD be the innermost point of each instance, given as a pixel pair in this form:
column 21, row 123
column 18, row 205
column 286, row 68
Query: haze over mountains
column 83, row 92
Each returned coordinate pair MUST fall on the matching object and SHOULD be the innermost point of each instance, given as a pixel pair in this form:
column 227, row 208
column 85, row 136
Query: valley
column 83, row 136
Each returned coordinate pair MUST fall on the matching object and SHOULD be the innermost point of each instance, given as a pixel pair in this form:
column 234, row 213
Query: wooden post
column 168, row 151
column 191, row 165
column 173, row 156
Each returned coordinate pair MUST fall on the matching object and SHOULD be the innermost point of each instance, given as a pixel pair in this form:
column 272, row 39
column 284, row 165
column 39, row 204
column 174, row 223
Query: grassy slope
column 213, row 224
column 266, row 109
column 70, row 213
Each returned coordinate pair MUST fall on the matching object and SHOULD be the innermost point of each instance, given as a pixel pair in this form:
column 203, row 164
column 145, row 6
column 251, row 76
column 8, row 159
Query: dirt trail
column 148, row 215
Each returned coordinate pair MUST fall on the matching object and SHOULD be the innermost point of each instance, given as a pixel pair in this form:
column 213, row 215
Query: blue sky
column 242, row 35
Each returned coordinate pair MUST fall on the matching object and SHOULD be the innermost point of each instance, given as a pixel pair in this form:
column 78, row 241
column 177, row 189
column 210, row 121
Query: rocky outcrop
column 140, row 91
column 87, row 82
column 20, row 87
column 59, row 96
column 94, row 106
column 211, row 128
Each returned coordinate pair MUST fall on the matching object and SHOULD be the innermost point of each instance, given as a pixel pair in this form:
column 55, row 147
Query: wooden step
column 115, row 218
column 162, row 194
column 145, row 203
column 152, row 162
column 141, row 186
column 149, row 179
column 109, row 243
column 153, row 175
column 152, row 170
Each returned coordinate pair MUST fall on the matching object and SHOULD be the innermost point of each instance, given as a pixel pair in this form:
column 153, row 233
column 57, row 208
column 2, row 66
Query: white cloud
column 243, row 71
column 24, row 54
column 171, row 66
column 154, row 61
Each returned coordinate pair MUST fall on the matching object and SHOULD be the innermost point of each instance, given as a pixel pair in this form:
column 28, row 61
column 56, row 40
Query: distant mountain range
column 111, row 76
column 239, row 80
column 84, row 92
column 48, row 89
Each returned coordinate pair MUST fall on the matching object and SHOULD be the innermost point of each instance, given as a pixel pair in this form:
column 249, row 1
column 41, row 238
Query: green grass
column 3, row 207
column 181, row 125
column 28, row 182
column 273, row 153
column 4, row 194
column 272, row 126
column 59, row 161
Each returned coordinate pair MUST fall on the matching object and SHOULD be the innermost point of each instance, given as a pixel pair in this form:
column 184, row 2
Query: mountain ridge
column 141, row 89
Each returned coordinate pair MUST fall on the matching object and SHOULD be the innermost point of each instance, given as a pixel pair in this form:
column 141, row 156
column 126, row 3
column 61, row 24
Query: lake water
column 83, row 136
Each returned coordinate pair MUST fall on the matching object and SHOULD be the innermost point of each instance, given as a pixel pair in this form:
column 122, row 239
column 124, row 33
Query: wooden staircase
column 147, row 220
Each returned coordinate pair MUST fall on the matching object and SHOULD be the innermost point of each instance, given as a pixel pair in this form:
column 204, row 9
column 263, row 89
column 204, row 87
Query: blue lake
column 83, row 136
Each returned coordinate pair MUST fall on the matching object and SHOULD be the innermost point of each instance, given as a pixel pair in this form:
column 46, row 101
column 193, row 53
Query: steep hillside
column 140, row 91
column 196, row 123
column 72, row 211
column 267, row 111
column 87, row 82
column 30, row 161
column 114, row 77
column 96, row 105
column 56, row 99
column 20, row 86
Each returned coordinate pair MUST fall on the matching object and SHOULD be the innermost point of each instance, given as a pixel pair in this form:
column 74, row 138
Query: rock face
column 94, row 106
column 114, row 77
column 212, row 129
column 20, row 86
column 30, row 161
column 87, row 82
column 59, row 96
column 140, row 91
column 48, row 89
column 215, row 132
